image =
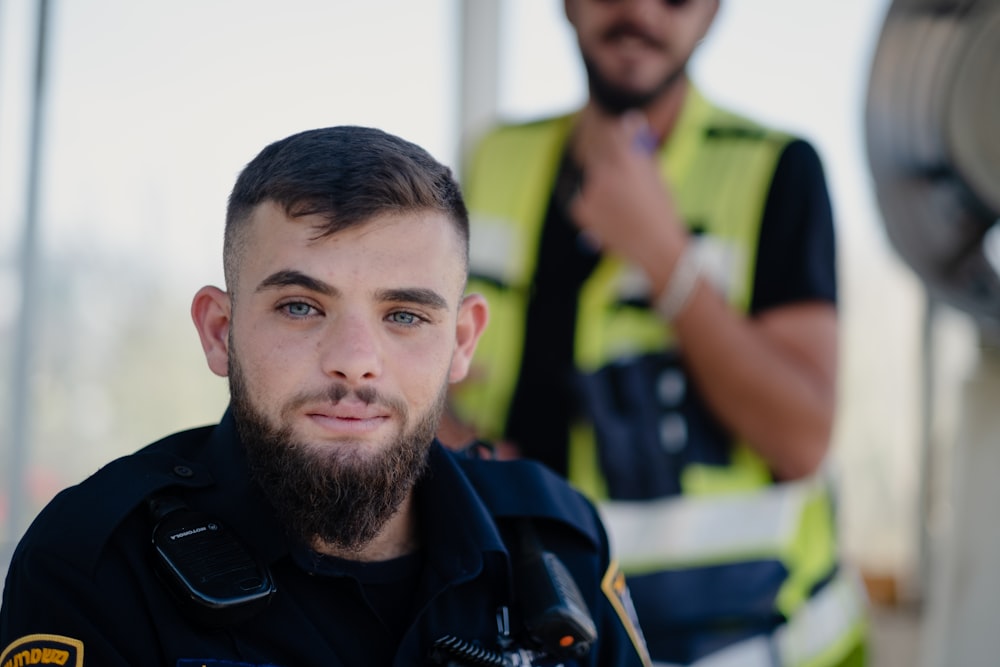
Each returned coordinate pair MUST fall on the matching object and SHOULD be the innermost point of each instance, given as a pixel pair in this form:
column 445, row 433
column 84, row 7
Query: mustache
column 628, row 28
column 338, row 391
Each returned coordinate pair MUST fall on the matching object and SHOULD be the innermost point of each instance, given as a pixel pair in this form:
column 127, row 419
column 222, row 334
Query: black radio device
column 553, row 613
column 206, row 566
column 552, row 608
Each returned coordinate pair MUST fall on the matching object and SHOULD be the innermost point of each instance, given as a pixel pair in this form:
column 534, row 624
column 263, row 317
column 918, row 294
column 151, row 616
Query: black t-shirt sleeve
column 796, row 258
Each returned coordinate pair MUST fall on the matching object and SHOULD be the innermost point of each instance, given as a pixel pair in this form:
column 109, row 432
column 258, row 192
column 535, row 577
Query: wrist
column 680, row 287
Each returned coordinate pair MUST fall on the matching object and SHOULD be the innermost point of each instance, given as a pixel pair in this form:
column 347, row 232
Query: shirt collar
column 456, row 528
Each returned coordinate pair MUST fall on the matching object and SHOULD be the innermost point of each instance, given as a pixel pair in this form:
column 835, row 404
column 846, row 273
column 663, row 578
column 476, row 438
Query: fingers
column 638, row 132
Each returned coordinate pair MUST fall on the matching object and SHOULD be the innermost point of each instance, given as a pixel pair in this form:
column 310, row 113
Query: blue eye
column 298, row 309
column 403, row 317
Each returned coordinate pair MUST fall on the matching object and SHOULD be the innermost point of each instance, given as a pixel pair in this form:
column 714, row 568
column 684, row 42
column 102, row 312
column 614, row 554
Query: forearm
column 770, row 380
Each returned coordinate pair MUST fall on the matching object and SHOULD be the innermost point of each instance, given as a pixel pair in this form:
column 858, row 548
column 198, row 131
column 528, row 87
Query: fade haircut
column 347, row 175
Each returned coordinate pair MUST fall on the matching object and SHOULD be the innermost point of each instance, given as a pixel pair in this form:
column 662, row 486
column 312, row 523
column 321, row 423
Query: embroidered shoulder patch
column 616, row 590
column 43, row 650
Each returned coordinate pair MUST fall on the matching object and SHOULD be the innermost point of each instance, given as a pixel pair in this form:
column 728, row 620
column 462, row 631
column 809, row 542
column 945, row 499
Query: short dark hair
column 347, row 174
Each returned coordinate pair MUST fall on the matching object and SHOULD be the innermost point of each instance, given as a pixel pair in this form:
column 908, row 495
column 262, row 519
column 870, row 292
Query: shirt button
column 673, row 432
column 183, row 471
column 670, row 387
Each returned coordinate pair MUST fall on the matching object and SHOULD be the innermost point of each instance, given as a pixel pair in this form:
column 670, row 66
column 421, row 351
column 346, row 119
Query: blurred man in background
column 661, row 277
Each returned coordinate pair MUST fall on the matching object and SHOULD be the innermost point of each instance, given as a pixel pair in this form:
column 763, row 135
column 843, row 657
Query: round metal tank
column 933, row 140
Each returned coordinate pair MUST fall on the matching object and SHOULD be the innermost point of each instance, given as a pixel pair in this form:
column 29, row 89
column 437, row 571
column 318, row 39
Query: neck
column 663, row 111
column 398, row 537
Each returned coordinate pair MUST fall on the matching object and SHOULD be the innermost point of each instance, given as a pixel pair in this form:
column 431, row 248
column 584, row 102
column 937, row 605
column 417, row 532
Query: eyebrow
column 417, row 295
column 291, row 278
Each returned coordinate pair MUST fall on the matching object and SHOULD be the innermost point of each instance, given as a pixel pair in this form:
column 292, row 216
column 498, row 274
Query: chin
column 343, row 449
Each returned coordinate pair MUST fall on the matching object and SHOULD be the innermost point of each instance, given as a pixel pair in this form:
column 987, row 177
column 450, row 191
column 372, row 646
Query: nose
column 642, row 9
column 349, row 350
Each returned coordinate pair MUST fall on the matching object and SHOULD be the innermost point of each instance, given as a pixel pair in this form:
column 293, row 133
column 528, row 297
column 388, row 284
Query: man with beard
column 320, row 523
column 661, row 274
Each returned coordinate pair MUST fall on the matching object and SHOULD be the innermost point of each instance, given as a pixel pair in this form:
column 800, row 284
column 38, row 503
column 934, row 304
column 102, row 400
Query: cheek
column 269, row 370
column 422, row 370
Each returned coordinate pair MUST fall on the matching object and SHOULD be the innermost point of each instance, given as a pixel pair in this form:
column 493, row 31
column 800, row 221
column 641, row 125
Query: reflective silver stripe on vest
column 685, row 530
column 825, row 620
column 753, row 652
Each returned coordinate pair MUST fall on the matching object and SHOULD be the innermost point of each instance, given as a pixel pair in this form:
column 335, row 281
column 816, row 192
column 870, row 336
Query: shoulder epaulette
column 725, row 124
column 735, row 132
column 527, row 489
column 81, row 519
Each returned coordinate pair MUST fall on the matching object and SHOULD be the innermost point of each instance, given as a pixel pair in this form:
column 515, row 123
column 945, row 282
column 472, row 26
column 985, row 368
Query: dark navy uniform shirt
column 81, row 589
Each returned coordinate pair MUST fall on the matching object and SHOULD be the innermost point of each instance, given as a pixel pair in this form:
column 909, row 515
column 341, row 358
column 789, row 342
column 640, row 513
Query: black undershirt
column 796, row 261
column 388, row 587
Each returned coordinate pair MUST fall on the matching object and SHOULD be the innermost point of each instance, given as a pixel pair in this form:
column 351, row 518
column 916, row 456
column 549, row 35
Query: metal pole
column 927, row 466
column 479, row 64
column 27, row 319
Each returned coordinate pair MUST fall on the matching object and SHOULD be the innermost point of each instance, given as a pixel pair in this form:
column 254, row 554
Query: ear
column 473, row 314
column 211, row 311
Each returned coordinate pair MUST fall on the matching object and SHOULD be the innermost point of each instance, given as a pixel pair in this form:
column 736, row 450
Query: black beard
column 614, row 99
column 341, row 499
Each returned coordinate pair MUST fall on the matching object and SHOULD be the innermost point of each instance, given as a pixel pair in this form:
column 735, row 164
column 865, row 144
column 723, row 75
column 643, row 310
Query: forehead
column 415, row 246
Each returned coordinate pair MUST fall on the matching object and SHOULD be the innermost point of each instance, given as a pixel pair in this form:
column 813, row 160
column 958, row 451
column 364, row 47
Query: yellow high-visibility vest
column 719, row 168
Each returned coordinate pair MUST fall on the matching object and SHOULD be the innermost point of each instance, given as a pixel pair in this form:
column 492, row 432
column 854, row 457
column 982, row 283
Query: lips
column 628, row 34
column 352, row 410
column 348, row 415
column 348, row 422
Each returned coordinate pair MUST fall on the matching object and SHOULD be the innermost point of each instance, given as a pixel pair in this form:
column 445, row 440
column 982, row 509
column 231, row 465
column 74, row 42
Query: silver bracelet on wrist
column 680, row 287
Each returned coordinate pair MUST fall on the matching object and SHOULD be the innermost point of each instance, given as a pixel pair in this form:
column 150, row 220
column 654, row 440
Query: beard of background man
column 342, row 497
column 613, row 98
